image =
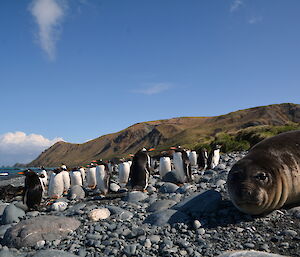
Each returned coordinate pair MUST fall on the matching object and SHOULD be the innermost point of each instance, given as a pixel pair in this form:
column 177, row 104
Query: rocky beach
column 194, row 219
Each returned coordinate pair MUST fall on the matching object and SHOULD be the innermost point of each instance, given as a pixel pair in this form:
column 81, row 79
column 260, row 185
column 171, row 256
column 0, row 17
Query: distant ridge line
column 161, row 134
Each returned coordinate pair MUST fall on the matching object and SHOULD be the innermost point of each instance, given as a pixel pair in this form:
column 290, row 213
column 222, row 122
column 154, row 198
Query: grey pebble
column 53, row 253
column 114, row 187
column 196, row 224
column 290, row 232
column 168, row 188
column 135, row 196
column 130, row 249
column 147, row 243
column 161, row 205
column 154, row 239
column 249, row 245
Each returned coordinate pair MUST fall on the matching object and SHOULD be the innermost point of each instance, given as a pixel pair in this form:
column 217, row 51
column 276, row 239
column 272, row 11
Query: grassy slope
column 187, row 131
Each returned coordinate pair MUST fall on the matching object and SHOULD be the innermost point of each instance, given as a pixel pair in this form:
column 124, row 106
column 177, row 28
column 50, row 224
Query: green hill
column 235, row 130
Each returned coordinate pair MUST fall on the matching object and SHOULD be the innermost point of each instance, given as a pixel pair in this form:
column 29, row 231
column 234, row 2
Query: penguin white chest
column 124, row 170
column 56, row 185
column 91, row 177
column 193, row 158
column 215, row 158
column 66, row 179
column 178, row 163
column 82, row 172
column 101, row 177
column 164, row 166
column 76, row 178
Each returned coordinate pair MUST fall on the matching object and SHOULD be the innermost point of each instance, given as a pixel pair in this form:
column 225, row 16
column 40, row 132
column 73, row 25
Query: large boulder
column 5, row 252
column 164, row 217
column 76, row 192
column 3, row 229
column 2, row 207
column 172, row 177
column 200, row 203
column 29, row 232
column 12, row 214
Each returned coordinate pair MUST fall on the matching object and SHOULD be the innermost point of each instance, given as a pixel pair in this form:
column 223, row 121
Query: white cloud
column 235, row 5
column 19, row 147
column 48, row 15
column 255, row 20
column 153, row 88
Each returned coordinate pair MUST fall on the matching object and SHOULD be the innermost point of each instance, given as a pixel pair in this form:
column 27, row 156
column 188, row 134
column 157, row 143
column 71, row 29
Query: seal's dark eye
column 261, row 176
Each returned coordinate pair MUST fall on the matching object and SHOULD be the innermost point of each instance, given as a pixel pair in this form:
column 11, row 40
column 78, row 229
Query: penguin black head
column 217, row 146
column 58, row 170
column 26, row 172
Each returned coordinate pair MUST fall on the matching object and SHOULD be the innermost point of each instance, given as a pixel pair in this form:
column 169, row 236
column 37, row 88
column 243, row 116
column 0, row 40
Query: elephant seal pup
column 268, row 177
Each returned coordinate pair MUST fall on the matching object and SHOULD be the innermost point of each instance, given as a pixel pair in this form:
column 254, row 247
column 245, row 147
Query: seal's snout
column 248, row 194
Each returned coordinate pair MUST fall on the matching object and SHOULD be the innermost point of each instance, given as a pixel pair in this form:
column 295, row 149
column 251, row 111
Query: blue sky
column 83, row 68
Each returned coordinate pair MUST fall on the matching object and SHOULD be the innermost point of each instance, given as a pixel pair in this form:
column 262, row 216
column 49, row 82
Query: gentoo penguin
column 41, row 177
column 33, row 190
column 82, row 172
column 91, row 176
column 124, row 170
column 76, row 178
column 102, row 177
column 139, row 170
column 214, row 157
column 193, row 158
column 164, row 166
column 44, row 179
column 56, row 184
column 182, row 165
column 66, row 179
column 110, row 167
column 202, row 159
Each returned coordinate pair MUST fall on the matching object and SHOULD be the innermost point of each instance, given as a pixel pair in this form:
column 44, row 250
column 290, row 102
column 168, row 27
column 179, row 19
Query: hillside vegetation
column 236, row 131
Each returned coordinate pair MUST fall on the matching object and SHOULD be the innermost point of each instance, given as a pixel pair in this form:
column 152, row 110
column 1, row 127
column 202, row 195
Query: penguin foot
column 55, row 197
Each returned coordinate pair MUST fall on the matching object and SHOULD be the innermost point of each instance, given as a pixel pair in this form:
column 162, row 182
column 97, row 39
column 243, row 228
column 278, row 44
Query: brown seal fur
column 268, row 177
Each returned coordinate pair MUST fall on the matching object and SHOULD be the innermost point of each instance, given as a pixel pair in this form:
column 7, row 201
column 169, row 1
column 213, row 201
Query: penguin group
column 132, row 173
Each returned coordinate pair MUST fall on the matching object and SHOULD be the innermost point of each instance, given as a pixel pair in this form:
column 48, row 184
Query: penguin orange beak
column 173, row 148
column 151, row 149
column 21, row 173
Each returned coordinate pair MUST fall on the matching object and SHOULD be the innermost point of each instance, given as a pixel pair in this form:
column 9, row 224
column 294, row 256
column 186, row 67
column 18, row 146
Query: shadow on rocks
column 226, row 214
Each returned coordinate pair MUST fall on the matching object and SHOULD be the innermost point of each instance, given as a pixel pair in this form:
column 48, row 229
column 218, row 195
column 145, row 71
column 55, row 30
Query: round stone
column 99, row 214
